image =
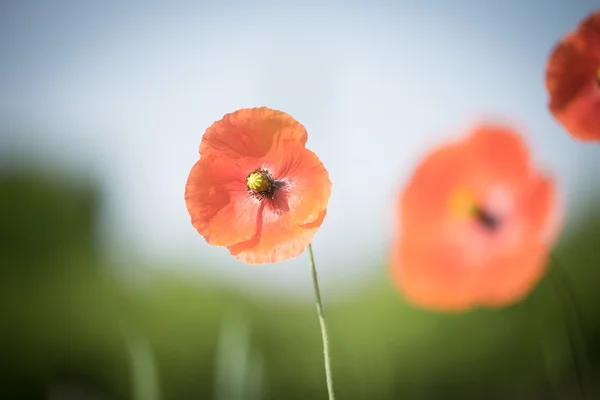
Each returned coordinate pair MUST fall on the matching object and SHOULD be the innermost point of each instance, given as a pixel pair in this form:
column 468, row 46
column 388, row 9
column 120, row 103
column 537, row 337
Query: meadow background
column 106, row 290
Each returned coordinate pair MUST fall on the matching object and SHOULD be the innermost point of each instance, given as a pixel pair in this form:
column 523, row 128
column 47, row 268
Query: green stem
column 323, row 326
column 564, row 289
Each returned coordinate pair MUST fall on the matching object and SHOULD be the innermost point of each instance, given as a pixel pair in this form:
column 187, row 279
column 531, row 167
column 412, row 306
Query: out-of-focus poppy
column 475, row 225
column 573, row 80
column 256, row 189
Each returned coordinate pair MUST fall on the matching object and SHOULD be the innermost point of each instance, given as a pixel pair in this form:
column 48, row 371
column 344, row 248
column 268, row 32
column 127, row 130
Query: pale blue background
column 123, row 91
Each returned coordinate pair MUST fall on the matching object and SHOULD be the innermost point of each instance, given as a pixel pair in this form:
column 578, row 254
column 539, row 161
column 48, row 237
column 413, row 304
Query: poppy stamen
column 486, row 219
column 598, row 76
column 261, row 184
column 257, row 182
column 460, row 202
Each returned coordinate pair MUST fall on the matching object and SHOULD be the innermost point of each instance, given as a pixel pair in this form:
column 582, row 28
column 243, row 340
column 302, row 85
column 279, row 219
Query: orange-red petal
column 519, row 268
column 258, row 230
column 306, row 186
column 572, row 80
column 217, row 199
column 251, row 132
column 490, row 155
column 450, row 263
column 279, row 239
column 431, row 275
column 289, row 220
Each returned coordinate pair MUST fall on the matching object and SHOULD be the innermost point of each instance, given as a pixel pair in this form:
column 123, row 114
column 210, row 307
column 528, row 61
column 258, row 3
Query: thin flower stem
column 323, row 326
column 564, row 289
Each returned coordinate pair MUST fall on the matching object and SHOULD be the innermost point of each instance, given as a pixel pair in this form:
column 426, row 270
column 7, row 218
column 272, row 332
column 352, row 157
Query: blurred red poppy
column 476, row 222
column 256, row 189
column 573, row 80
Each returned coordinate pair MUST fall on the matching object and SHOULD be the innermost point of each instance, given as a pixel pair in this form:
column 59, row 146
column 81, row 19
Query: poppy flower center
column 485, row 218
column 261, row 184
column 598, row 76
column 463, row 204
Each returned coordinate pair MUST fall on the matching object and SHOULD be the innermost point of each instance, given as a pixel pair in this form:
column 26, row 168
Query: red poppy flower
column 256, row 189
column 573, row 80
column 476, row 223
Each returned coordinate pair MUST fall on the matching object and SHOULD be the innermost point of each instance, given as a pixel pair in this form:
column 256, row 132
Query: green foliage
column 63, row 313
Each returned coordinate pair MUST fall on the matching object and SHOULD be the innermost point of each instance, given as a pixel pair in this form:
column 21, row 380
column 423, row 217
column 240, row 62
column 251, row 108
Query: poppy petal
column 217, row 199
column 567, row 74
column 511, row 278
column 279, row 239
column 581, row 116
column 499, row 153
column 422, row 201
column 489, row 156
column 433, row 274
column 572, row 80
column 306, row 183
column 251, row 132
column 541, row 210
column 445, row 256
column 278, row 218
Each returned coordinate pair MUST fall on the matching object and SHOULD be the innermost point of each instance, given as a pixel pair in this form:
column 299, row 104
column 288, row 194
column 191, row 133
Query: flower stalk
column 326, row 352
column 564, row 290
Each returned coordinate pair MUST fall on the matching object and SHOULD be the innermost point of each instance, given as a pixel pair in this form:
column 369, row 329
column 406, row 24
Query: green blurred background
column 69, row 329
column 126, row 88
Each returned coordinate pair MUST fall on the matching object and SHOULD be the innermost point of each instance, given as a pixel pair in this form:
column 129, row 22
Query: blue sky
column 125, row 90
